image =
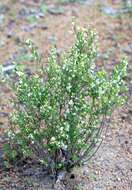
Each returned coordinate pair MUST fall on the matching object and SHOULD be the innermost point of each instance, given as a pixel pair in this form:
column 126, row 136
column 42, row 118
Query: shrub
column 59, row 114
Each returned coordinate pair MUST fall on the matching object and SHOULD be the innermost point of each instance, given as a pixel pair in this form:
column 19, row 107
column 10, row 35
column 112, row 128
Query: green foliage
column 58, row 114
column 43, row 8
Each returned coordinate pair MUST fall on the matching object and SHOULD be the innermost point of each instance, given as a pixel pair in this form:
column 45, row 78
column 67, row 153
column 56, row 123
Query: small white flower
column 53, row 139
column 71, row 102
